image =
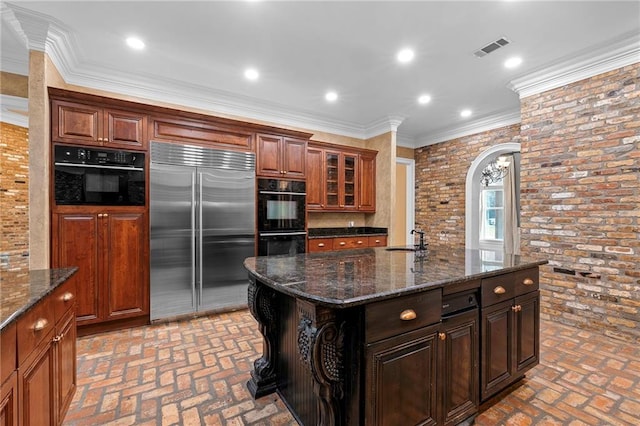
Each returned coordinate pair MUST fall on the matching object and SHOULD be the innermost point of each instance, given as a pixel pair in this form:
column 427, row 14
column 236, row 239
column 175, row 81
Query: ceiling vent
column 495, row 45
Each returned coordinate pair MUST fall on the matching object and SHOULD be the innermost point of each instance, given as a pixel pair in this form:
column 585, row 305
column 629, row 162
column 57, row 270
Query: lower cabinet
column 510, row 331
column 46, row 374
column 427, row 376
column 110, row 249
column 346, row 243
column 9, row 401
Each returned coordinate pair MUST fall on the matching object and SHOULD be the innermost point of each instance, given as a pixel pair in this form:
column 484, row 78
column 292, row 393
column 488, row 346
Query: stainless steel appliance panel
column 221, row 225
column 226, row 236
column 172, row 259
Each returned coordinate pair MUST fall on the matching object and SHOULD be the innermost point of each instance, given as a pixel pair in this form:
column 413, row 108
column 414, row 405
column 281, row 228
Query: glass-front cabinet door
column 333, row 181
column 341, row 187
column 349, row 185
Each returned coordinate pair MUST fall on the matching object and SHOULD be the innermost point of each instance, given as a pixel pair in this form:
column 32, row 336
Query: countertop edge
column 359, row 301
column 34, row 301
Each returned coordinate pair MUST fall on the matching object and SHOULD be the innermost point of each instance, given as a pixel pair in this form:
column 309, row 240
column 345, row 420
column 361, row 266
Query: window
column 492, row 213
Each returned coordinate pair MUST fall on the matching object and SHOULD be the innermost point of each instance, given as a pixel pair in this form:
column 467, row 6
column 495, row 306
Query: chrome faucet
column 422, row 245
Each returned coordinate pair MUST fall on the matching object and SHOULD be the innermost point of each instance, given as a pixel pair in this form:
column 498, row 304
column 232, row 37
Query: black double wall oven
column 96, row 176
column 281, row 217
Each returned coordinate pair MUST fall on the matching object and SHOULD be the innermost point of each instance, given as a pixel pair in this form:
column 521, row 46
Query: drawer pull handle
column 499, row 290
column 321, row 245
column 527, row 281
column 359, row 242
column 67, row 297
column 377, row 241
column 40, row 324
column 408, row 315
column 342, row 243
column 442, row 336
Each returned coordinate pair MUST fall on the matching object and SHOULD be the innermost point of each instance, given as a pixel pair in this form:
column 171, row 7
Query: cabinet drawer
column 345, row 243
column 63, row 299
column 497, row 289
column 385, row 319
column 33, row 327
column 378, row 241
column 526, row 281
column 507, row 286
column 8, row 347
column 320, row 244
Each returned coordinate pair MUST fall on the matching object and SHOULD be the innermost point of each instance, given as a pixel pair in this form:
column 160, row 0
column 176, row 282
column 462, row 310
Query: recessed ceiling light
column 331, row 96
column 405, row 55
column 251, row 74
column 424, row 99
column 135, row 43
column 465, row 113
column 513, row 62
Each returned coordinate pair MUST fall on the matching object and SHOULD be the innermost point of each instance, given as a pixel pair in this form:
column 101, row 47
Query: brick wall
column 14, row 197
column 441, row 172
column 581, row 200
column 580, row 197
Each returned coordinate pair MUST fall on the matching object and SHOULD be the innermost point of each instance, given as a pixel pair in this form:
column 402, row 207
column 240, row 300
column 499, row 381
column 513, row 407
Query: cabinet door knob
column 40, row 324
column 514, row 308
column 408, row 315
column 67, row 296
column 105, row 215
column 527, row 281
column 56, row 339
column 320, row 244
column 499, row 290
column 442, row 336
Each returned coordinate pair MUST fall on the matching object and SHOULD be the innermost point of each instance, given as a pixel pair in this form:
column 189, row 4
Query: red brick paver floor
column 194, row 372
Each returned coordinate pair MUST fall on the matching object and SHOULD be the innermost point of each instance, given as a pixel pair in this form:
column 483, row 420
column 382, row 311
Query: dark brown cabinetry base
column 396, row 361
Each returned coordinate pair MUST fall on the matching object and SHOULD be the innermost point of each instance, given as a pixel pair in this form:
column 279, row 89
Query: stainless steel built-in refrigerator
column 202, row 218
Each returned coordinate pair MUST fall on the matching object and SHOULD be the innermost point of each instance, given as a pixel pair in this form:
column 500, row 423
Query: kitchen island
column 388, row 337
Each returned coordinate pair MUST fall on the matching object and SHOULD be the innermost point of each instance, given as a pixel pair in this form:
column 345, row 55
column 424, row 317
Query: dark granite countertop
column 20, row 290
column 342, row 279
column 345, row 232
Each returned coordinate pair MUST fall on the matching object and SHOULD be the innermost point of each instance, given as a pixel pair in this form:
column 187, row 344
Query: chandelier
column 495, row 171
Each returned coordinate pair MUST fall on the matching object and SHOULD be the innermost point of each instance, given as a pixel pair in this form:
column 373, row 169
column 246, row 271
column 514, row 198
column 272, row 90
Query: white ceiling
column 196, row 53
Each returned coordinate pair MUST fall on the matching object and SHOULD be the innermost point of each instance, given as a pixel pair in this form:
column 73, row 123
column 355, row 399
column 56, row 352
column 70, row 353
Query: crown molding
column 382, row 126
column 482, row 125
column 405, row 141
column 607, row 56
column 9, row 113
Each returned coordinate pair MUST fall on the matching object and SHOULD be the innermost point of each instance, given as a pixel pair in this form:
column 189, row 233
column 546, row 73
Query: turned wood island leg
column 263, row 376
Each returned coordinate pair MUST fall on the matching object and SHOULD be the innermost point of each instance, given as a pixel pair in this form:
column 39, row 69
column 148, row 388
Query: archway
column 472, row 189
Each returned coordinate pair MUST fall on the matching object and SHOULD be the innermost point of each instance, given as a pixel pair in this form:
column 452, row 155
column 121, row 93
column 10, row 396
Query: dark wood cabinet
column 9, row 400
column 110, row 248
column 510, row 329
column 401, row 380
column 346, row 243
column 315, row 179
column 343, row 178
column 458, row 366
column 88, row 124
column 281, row 157
column 46, row 374
column 367, row 183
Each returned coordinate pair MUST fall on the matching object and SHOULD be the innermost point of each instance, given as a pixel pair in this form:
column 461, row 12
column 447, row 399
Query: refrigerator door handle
column 193, row 239
column 200, row 280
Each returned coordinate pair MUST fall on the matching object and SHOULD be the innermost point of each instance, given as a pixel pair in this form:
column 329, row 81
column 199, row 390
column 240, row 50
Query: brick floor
column 194, row 372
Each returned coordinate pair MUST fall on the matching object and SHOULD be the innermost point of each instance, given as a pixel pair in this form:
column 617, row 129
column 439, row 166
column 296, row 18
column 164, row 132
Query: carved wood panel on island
column 344, row 344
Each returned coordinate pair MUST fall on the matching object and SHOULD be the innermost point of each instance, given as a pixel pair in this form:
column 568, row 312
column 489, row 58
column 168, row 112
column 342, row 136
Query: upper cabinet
column 281, row 157
column 87, row 124
column 340, row 178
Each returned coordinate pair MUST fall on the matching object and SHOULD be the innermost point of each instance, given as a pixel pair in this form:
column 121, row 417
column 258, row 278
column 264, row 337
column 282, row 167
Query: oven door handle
column 282, row 234
column 97, row 166
column 282, row 193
